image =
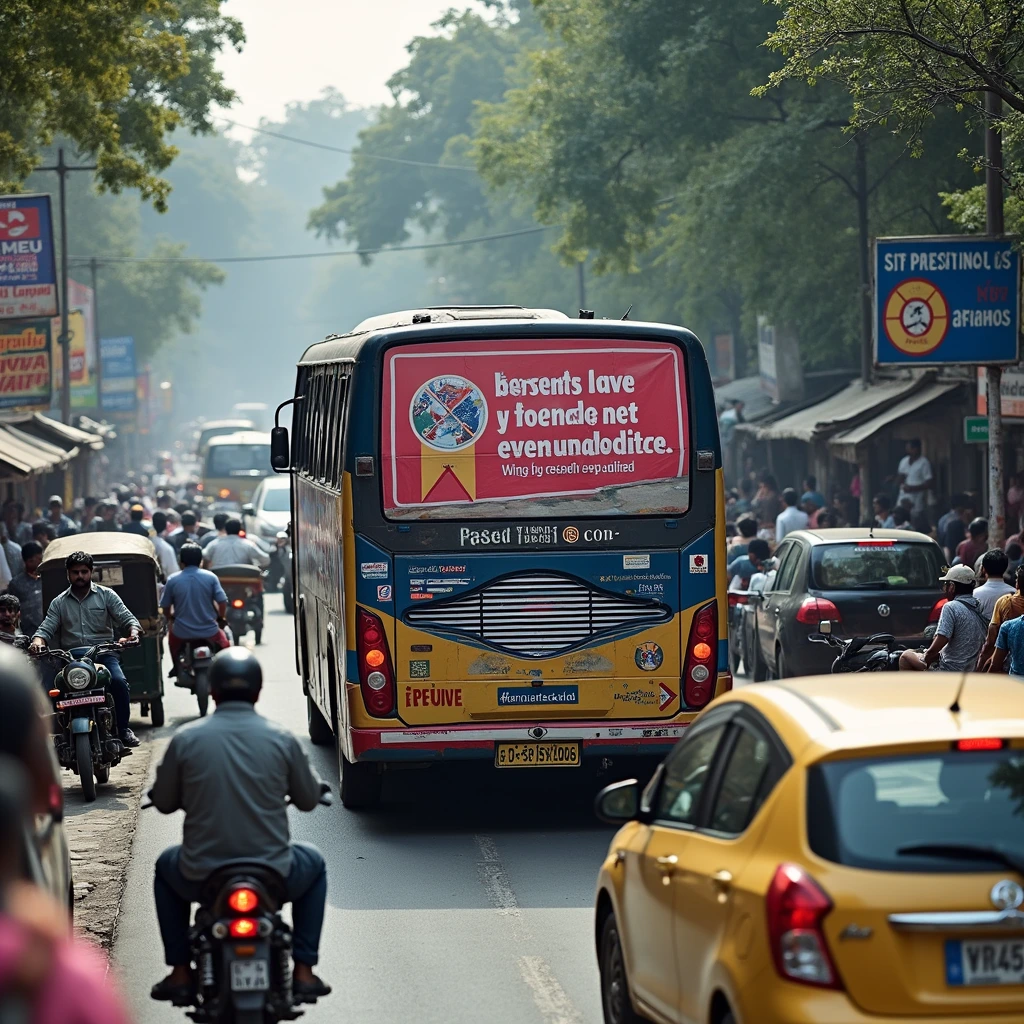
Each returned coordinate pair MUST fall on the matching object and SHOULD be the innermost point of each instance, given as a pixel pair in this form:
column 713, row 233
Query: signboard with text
column 28, row 263
column 117, row 363
column 475, row 422
column 941, row 300
column 1011, row 392
column 25, row 365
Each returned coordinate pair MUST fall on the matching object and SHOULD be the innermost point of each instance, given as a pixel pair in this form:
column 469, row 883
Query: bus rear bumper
column 475, row 741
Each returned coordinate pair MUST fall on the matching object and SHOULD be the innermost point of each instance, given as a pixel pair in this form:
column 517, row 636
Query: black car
column 864, row 581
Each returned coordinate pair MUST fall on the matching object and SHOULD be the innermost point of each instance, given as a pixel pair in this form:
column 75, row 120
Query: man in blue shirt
column 1009, row 645
column 746, row 565
column 194, row 603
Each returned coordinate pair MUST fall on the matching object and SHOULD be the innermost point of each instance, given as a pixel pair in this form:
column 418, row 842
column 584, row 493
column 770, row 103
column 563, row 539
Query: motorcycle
column 86, row 737
column 193, row 669
column 243, row 585
column 879, row 652
column 241, row 946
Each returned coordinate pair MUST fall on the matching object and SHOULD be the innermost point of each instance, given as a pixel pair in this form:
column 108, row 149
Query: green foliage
column 967, row 210
column 901, row 60
column 115, row 77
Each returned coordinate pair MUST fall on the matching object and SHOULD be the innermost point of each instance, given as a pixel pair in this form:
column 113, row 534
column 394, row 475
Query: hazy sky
column 295, row 48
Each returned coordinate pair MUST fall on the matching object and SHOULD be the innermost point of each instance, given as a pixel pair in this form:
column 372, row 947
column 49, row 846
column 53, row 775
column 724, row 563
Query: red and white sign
column 1011, row 392
column 665, row 696
column 494, row 421
column 19, row 224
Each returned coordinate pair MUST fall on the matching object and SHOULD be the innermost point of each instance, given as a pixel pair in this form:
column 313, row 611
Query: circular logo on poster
column 649, row 657
column 448, row 413
column 916, row 317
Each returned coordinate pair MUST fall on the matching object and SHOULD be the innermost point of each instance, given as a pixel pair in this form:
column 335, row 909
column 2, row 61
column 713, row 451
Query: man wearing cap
column 134, row 524
column 64, row 525
column 961, row 631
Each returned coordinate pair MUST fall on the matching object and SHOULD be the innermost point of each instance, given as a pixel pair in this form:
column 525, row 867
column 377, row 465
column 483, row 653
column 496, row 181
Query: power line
column 311, row 255
column 340, row 149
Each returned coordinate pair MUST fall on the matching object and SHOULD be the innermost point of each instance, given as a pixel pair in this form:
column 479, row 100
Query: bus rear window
column 495, row 430
column 238, row 460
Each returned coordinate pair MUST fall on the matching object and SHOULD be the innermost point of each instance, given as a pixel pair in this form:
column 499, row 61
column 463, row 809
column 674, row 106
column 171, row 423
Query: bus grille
column 537, row 615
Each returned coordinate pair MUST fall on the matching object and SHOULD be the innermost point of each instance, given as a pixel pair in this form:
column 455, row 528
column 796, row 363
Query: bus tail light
column 701, row 665
column 376, row 677
column 817, row 609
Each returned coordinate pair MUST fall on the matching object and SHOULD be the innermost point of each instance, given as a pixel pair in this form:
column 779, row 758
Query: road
column 466, row 897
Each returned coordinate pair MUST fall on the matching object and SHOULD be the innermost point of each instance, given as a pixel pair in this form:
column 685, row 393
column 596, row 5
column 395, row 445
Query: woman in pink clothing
column 46, row 975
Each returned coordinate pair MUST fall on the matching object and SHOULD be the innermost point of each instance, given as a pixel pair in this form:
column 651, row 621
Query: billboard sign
column 28, row 262
column 25, row 365
column 117, row 362
column 83, row 367
column 1011, row 392
column 475, row 422
column 941, row 300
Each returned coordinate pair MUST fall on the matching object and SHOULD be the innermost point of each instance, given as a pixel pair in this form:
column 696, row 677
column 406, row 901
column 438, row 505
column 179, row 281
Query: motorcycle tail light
column 376, row 676
column 202, row 652
column 238, row 603
column 243, row 928
column 243, row 901
column 701, row 657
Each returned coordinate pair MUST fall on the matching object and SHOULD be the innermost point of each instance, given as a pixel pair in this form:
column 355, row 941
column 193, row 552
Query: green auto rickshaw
column 127, row 564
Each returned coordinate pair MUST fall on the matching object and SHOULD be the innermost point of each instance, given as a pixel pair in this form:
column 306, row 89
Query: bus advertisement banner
column 485, row 422
column 25, row 357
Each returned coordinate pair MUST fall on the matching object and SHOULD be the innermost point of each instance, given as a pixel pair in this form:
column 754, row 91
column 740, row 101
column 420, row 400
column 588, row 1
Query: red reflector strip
column 981, row 743
column 875, row 543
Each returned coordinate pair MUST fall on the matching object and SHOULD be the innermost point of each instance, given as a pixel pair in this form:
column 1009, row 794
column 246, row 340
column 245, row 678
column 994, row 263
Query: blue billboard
column 28, row 263
column 946, row 299
column 117, row 374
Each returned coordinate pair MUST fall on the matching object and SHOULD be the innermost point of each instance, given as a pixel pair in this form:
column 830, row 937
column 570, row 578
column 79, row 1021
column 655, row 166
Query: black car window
column 787, row 567
column 742, row 789
column 685, row 775
column 885, row 563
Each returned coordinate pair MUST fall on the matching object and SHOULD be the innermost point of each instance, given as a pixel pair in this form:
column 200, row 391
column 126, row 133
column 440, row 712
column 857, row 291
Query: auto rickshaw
column 128, row 565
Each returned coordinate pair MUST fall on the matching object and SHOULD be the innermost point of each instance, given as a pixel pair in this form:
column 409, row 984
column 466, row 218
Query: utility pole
column 994, row 225
column 581, row 284
column 867, row 313
column 63, row 170
column 93, row 266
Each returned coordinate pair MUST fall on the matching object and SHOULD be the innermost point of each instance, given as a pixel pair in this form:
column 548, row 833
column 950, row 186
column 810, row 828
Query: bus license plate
column 250, row 975
column 537, row 755
column 985, row 962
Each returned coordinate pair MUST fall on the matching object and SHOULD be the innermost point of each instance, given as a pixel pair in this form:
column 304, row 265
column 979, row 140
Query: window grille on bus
column 537, row 615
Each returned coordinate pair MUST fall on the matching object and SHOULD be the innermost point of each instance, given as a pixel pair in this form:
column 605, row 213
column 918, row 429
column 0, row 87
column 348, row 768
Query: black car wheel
column 615, row 999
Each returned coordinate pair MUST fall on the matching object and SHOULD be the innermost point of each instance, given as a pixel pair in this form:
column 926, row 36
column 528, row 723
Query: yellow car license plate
column 537, row 755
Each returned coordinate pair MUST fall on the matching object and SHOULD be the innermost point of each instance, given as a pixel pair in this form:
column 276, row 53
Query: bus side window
column 330, row 383
column 338, row 468
column 300, row 422
column 316, row 440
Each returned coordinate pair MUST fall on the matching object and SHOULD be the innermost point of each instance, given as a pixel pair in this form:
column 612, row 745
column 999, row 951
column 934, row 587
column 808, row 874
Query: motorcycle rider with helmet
column 231, row 773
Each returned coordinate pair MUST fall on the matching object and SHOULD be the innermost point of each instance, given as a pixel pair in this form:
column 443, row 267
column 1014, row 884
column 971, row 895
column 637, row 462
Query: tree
column 116, row 77
column 903, row 59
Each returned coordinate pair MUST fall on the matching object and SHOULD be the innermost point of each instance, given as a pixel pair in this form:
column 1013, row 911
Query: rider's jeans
column 307, row 893
column 118, row 689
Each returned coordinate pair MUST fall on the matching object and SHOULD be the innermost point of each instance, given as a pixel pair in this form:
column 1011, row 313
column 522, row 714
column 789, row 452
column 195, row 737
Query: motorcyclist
column 84, row 615
column 961, row 631
column 231, row 773
column 194, row 604
column 232, row 549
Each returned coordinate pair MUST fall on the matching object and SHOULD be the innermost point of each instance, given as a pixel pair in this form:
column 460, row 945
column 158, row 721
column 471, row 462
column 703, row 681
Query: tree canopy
column 115, row 78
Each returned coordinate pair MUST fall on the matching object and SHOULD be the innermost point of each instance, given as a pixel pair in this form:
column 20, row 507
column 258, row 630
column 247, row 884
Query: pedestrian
column 135, row 525
column 43, row 533
column 64, row 525
column 790, row 518
column 1015, row 498
column 10, row 619
column 809, row 503
column 1015, row 538
column 14, row 518
column 901, row 518
column 728, row 421
column 27, row 586
column 220, row 522
column 746, row 527
column 767, row 501
column 915, row 477
column 970, row 550
column 741, row 570
column 1015, row 556
column 105, row 520
column 1008, row 655
column 960, row 634
column 993, row 568
column 745, row 501
column 189, row 531
column 1010, row 606
column 233, row 549
column 11, row 550
column 84, row 615
column 882, row 507
column 811, row 492
column 165, row 554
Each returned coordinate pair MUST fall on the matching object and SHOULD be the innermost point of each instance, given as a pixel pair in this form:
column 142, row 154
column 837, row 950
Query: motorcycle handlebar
column 91, row 653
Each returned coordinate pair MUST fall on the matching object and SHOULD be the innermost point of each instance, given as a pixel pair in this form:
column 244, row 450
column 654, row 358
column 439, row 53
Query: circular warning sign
column 916, row 317
column 448, row 413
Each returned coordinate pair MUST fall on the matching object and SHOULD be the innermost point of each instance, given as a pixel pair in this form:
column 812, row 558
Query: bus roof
column 240, row 437
column 342, row 346
column 238, row 424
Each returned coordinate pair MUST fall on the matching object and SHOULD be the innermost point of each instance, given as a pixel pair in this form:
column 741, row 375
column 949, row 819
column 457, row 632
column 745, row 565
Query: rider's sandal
column 305, row 992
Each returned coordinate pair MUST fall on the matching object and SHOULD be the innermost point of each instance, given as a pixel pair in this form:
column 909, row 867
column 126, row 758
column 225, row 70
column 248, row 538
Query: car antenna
column 625, row 316
column 955, row 706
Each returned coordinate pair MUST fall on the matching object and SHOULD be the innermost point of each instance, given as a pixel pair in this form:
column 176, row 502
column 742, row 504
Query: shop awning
column 834, row 413
column 62, row 433
column 21, row 454
column 845, row 445
column 107, row 431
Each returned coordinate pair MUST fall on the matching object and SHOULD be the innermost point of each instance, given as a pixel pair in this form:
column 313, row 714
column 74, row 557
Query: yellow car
column 829, row 850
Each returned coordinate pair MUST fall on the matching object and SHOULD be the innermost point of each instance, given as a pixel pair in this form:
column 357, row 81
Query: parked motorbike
column 86, row 736
column 879, row 652
column 243, row 585
column 241, row 946
column 193, row 669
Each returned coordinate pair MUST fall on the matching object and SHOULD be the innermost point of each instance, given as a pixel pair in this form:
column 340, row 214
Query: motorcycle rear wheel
column 157, row 712
column 83, row 757
column 202, row 692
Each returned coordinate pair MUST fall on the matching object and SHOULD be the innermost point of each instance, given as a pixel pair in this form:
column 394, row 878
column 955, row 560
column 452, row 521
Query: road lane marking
column 549, row 997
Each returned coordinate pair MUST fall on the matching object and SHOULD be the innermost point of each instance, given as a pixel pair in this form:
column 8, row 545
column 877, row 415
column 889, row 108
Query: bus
column 218, row 428
column 509, row 540
column 233, row 466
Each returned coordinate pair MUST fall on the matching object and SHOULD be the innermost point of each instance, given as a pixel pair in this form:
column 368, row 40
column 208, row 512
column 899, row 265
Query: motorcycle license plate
column 74, row 702
column 250, row 975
